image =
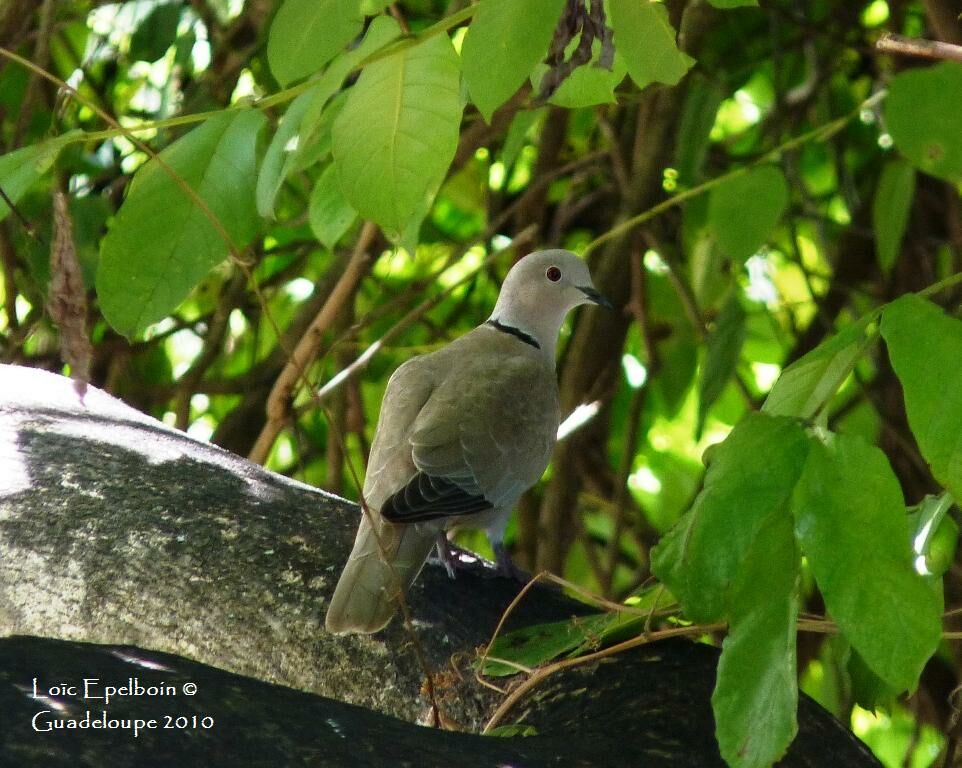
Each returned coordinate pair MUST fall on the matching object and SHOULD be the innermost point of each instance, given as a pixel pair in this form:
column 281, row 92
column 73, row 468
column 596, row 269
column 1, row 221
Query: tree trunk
column 116, row 529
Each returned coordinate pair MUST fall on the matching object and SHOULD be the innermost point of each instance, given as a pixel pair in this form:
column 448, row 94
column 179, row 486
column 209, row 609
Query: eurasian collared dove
column 463, row 432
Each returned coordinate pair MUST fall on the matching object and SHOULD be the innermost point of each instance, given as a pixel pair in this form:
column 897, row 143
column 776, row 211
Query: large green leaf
column 750, row 479
column 743, row 211
column 925, row 346
column 505, row 41
column 306, row 34
column 920, row 117
column 22, row 168
column 890, row 210
column 756, row 692
column 398, row 131
column 329, row 213
column 851, row 523
column 811, row 381
column 721, row 357
column 161, row 242
column 645, row 38
column 271, row 176
column 314, row 126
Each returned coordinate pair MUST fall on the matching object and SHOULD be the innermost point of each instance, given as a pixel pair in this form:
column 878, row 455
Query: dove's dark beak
column 596, row 297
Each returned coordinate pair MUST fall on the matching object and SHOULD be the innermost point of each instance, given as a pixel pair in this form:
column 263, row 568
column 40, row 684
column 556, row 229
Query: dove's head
column 540, row 290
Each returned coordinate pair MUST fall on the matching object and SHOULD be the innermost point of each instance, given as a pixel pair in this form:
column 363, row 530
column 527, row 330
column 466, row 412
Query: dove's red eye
column 553, row 274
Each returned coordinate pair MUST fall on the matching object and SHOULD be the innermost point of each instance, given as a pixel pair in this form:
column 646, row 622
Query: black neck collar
column 516, row 332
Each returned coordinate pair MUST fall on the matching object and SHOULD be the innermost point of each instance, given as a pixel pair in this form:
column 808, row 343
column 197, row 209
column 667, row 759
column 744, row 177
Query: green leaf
column 161, row 243
column 314, row 138
column 512, row 731
column 272, row 176
column 940, row 550
column 530, row 647
column 756, row 692
column 721, row 358
column 749, row 480
column 645, row 38
column 934, row 534
column 330, row 214
column 727, row 4
column 373, row 7
column 711, row 276
column 868, row 689
column 702, row 99
column 743, row 210
column 156, row 33
column 517, row 134
column 678, row 355
column 851, row 523
column 313, row 142
column 22, row 168
column 184, row 48
column 306, row 34
column 812, row 380
column 89, row 215
column 890, row 210
column 587, row 86
column 505, row 41
column 922, row 124
column 398, row 131
column 925, row 346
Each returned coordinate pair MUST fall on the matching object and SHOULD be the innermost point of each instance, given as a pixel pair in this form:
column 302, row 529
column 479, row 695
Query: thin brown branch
column 693, row 630
column 924, row 49
column 282, row 394
column 24, row 222
column 542, row 674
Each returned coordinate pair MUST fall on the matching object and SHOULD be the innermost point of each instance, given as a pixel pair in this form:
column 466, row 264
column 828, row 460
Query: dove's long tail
column 366, row 595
